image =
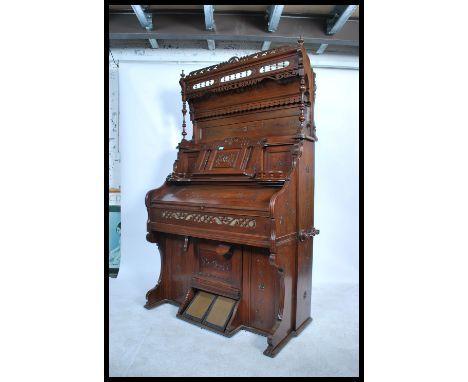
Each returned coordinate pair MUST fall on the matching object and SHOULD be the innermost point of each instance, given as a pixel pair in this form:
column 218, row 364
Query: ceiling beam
column 341, row 15
column 209, row 23
column 266, row 45
column 321, row 48
column 274, row 14
column 209, row 17
column 211, row 44
column 233, row 27
column 146, row 21
column 154, row 43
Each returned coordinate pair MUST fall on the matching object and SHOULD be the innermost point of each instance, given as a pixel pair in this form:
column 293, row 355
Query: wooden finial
column 182, row 74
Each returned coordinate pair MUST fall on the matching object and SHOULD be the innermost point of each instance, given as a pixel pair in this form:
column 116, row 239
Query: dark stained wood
column 235, row 217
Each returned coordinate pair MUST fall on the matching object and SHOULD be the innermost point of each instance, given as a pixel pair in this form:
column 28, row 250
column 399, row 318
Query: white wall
column 150, row 123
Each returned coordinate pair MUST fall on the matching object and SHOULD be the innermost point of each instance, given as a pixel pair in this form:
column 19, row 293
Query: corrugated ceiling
column 170, row 11
column 288, row 9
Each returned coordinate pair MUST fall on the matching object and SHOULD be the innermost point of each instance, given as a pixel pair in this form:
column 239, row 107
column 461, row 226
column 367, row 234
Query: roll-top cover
column 245, row 198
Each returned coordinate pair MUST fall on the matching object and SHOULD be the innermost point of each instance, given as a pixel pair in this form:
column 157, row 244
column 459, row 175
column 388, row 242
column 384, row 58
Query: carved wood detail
column 234, row 60
column 213, row 263
column 225, row 159
column 209, row 219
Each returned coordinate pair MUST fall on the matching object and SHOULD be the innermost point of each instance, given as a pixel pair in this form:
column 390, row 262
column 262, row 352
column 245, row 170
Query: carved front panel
column 226, row 158
column 217, row 266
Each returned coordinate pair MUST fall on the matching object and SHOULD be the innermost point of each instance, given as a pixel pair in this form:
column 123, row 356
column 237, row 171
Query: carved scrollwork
column 236, row 76
column 303, row 234
column 213, row 263
column 150, row 237
column 235, row 140
column 225, row 159
column 286, row 74
column 273, row 66
column 243, row 222
column 237, row 85
column 314, row 133
column 235, row 59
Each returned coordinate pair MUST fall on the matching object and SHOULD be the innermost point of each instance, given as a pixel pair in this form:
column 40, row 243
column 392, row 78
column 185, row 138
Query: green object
column 114, row 240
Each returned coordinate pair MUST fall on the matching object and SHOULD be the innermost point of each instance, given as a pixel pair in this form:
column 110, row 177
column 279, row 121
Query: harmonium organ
column 234, row 221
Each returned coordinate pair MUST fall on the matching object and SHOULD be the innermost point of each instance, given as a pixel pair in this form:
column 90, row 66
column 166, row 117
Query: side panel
column 305, row 211
column 180, row 265
column 263, row 290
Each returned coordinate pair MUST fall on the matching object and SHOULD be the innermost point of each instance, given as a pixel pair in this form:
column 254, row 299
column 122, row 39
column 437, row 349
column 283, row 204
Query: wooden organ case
column 234, row 220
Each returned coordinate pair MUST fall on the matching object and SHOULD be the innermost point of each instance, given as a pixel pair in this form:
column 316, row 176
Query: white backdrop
column 150, row 123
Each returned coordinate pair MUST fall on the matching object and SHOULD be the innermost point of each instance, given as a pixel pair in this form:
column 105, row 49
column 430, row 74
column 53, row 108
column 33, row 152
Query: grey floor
column 156, row 343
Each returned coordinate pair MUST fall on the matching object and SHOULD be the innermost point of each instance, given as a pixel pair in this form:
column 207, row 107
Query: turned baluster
column 184, row 109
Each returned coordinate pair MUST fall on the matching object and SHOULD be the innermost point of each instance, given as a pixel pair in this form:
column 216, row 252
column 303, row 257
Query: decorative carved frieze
column 209, row 219
column 248, row 107
column 218, row 86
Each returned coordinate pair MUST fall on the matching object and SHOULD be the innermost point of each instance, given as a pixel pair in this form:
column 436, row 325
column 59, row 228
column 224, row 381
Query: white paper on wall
column 114, row 150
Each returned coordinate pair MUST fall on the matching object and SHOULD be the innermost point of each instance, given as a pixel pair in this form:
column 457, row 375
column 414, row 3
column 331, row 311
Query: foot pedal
column 199, row 306
column 220, row 313
column 210, row 310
